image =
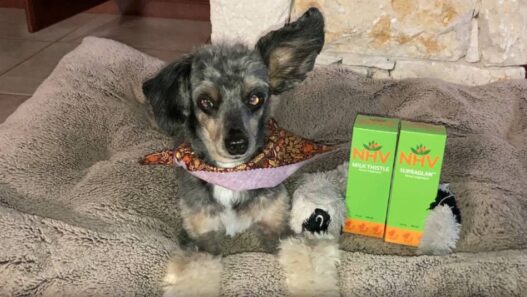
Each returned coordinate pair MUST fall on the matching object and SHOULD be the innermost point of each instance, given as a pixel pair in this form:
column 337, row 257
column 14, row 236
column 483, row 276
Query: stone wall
column 246, row 21
column 464, row 41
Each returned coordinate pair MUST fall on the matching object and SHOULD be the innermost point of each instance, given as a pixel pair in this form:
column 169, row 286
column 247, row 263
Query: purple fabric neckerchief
column 250, row 179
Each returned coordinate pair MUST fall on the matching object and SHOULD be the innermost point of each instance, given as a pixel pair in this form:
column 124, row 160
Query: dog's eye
column 255, row 101
column 206, row 103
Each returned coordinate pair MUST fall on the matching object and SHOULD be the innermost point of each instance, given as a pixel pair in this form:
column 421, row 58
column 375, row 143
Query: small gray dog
column 220, row 95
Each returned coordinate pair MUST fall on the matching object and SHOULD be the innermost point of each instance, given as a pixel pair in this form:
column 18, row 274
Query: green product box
column 369, row 174
column 415, row 180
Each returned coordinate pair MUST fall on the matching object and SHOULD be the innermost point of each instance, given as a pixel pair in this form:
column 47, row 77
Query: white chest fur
column 225, row 196
column 232, row 222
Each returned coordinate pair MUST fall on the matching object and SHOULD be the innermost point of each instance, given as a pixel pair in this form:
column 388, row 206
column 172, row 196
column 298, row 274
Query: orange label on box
column 402, row 236
column 364, row 228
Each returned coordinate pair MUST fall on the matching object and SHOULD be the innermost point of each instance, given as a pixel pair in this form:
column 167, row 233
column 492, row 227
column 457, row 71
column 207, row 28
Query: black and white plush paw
column 318, row 221
column 442, row 226
column 318, row 205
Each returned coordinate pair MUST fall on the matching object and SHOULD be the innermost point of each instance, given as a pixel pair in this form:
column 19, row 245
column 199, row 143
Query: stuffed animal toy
column 318, row 202
column 318, row 207
column 442, row 226
column 282, row 155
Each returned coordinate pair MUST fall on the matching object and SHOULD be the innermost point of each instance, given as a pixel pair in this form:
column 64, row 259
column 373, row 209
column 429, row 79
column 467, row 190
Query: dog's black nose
column 236, row 142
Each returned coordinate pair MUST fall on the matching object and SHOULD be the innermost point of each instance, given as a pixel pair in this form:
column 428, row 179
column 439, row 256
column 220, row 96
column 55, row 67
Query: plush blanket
column 79, row 216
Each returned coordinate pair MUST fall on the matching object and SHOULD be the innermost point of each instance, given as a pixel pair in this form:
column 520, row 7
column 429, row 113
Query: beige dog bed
column 80, row 217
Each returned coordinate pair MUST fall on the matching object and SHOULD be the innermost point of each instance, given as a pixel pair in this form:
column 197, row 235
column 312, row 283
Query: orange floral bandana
column 282, row 149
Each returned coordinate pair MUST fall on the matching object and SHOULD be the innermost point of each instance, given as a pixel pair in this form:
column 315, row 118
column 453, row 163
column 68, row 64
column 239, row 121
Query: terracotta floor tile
column 15, row 51
column 26, row 77
column 8, row 104
column 13, row 25
column 151, row 33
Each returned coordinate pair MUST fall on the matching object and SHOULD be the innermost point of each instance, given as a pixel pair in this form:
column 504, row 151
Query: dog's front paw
column 192, row 274
column 310, row 263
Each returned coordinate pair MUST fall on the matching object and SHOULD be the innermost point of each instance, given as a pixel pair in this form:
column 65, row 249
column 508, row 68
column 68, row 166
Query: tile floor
column 26, row 59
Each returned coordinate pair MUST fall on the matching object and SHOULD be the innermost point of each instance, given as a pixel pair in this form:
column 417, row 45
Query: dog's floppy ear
column 290, row 52
column 169, row 94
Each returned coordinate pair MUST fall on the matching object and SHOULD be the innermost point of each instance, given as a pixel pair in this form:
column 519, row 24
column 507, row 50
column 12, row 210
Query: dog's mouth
column 231, row 163
column 225, row 160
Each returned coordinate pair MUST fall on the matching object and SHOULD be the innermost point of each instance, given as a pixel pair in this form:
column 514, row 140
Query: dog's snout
column 236, row 142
